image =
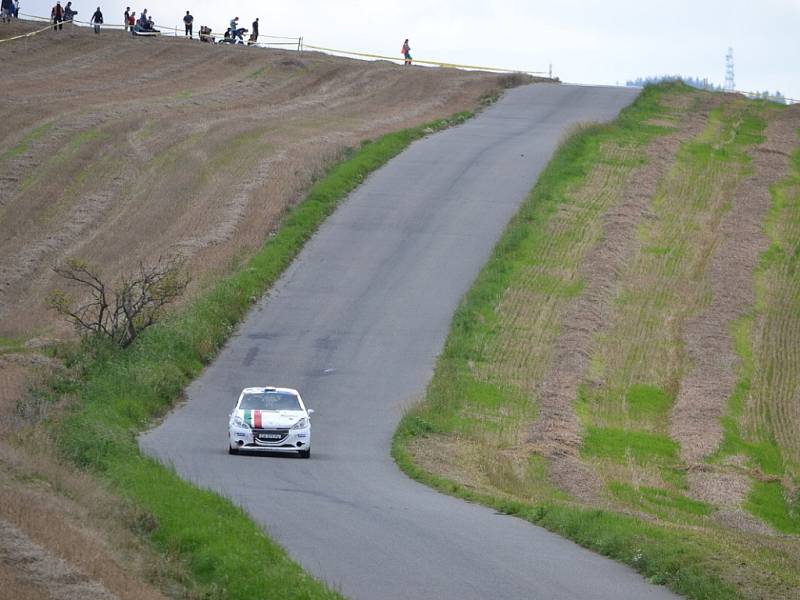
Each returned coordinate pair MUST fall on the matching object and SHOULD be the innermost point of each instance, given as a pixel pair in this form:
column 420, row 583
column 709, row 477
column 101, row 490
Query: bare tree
column 123, row 311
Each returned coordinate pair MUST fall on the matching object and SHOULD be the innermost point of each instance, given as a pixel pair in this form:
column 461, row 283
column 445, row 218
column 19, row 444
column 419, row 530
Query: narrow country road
column 356, row 324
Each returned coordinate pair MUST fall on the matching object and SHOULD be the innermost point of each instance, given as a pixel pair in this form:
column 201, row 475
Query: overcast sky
column 586, row 41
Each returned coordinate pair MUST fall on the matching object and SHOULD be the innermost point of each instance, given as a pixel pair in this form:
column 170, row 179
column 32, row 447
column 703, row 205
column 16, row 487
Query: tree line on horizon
column 701, row 84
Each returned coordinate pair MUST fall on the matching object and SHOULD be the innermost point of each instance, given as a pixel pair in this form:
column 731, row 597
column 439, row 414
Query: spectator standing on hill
column 233, row 26
column 97, row 20
column 6, row 11
column 254, row 30
column 69, row 14
column 131, row 22
column 57, row 14
column 126, row 16
column 406, row 50
column 187, row 23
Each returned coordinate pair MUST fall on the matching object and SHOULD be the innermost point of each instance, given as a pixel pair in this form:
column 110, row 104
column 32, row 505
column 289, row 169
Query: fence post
column 550, row 72
column 299, row 44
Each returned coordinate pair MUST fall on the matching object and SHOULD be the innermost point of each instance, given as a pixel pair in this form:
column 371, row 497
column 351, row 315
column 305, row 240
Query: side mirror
column 310, row 411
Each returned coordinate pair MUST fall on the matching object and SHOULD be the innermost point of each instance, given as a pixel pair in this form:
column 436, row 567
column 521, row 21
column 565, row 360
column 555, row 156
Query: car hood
column 265, row 419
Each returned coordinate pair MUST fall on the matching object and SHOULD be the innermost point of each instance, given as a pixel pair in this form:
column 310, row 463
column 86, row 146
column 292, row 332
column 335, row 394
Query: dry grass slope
column 147, row 147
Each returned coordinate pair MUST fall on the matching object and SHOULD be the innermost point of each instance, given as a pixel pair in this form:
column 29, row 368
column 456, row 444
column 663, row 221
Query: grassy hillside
column 625, row 369
column 116, row 150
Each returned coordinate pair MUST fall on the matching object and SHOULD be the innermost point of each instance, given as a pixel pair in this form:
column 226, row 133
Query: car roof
column 261, row 390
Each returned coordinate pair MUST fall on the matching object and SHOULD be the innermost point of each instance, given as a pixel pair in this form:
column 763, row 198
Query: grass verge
column 664, row 556
column 683, row 560
column 120, row 392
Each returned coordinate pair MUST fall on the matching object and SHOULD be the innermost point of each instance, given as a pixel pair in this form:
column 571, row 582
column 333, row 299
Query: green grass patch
column 257, row 73
column 768, row 501
column 12, row 345
column 648, row 402
column 122, row 391
column 66, row 153
column 621, row 445
column 659, row 501
column 25, row 143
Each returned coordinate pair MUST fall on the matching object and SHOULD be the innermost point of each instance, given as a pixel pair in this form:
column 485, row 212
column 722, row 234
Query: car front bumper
column 296, row 440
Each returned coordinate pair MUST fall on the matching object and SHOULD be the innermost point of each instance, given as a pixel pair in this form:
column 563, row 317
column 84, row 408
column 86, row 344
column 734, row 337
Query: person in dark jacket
column 97, row 20
column 69, row 14
column 6, row 10
column 57, row 14
column 254, row 31
column 188, row 20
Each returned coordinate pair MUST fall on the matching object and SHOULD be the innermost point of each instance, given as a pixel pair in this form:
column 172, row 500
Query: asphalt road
column 356, row 324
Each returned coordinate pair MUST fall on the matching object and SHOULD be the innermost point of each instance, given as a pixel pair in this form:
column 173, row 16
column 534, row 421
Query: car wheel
column 305, row 453
column 232, row 450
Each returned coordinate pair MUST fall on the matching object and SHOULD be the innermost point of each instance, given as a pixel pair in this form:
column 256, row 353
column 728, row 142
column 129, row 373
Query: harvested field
column 636, row 350
column 146, row 147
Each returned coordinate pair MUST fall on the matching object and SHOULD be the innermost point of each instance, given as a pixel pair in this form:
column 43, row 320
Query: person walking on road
column 97, row 20
column 188, row 19
column 57, row 14
column 406, row 50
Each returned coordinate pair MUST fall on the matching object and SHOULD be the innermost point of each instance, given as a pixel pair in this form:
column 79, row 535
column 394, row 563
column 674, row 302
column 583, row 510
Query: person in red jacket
column 406, row 50
column 57, row 14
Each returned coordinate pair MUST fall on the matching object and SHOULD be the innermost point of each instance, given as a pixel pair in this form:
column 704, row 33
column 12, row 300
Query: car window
column 270, row 401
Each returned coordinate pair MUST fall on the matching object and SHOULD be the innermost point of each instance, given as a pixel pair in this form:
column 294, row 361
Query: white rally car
column 272, row 420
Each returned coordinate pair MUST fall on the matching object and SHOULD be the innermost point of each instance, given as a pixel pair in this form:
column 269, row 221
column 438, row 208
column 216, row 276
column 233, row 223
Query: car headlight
column 301, row 424
column 237, row 421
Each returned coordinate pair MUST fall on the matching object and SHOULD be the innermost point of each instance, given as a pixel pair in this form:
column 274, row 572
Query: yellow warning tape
column 30, row 33
column 437, row 63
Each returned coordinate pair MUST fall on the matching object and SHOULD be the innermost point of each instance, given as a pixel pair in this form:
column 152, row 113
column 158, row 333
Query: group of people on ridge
column 144, row 25
column 60, row 14
column 233, row 35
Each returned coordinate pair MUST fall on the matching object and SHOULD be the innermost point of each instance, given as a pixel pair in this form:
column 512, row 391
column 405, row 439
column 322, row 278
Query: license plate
column 269, row 436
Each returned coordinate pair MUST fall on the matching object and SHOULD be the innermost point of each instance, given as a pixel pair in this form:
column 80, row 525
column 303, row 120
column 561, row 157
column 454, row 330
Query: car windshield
column 270, row 401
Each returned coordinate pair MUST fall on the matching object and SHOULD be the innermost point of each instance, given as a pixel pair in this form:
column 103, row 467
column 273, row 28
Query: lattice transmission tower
column 730, row 84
